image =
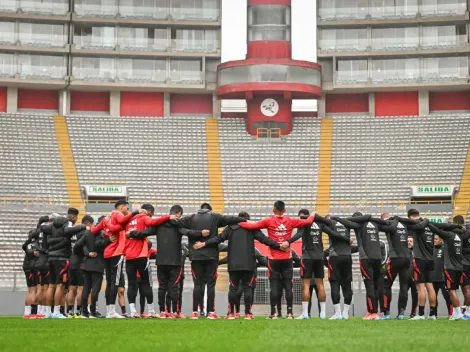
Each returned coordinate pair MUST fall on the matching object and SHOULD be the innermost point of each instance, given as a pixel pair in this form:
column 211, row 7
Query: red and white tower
column 269, row 79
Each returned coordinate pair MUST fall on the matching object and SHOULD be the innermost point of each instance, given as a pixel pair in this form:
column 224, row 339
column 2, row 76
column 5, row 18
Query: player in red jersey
column 114, row 226
column 280, row 262
column 136, row 254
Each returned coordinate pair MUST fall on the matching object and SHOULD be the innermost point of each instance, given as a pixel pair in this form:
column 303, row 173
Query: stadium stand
column 162, row 160
column 256, row 173
column 29, row 158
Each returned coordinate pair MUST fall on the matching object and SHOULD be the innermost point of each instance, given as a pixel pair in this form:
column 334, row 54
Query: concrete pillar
column 216, row 106
column 321, row 106
column 115, row 103
column 64, row 102
column 371, row 104
column 423, row 98
column 166, row 104
column 12, row 100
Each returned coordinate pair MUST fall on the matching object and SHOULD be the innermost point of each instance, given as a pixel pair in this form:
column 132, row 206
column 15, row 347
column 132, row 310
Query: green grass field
column 204, row 335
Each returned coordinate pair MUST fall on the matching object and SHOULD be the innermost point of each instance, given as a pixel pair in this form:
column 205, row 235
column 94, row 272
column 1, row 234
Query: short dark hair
column 73, row 211
column 244, row 215
column 88, row 218
column 413, row 212
column 175, row 209
column 101, row 218
column 148, row 207
column 206, row 206
column 279, row 205
column 304, row 212
column 357, row 213
column 120, row 202
column 458, row 219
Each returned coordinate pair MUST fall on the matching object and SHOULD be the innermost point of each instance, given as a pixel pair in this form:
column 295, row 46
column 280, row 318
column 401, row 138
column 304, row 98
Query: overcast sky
column 234, row 13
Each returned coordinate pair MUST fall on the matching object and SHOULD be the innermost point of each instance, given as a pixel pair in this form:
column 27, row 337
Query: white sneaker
column 115, row 315
column 345, row 317
column 58, row 316
column 455, row 318
column 322, row 317
column 337, row 316
column 418, row 317
column 302, row 317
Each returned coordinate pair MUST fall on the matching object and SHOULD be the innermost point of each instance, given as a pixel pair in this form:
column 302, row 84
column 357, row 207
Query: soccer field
column 239, row 335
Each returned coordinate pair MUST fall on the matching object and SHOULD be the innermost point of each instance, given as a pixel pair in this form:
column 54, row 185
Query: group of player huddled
column 64, row 262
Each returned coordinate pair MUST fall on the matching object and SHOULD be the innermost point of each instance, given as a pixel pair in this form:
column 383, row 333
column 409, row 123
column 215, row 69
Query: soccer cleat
column 170, row 316
column 180, row 316
column 465, row 317
column 96, row 315
column 302, row 317
column 193, row 316
column 432, row 317
column 230, row 316
column 26, row 316
column 455, row 318
column 40, row 316
column 385, row 317
column 70, row 316
column 202, row 314
column 48, row 316
column 290, row 316
column 115, row 315
column 418, row 317
column 34, row 316
column 373, row 316
column 237, row 315
column 213, row 316
column 249, row 317
column 125, row 315
column 86, row 316
column 345, row 316
column 273, row 317
column 135, row 316
column 152, row 315
column 367, row 316
column 58, row 316
column 401, row 317
column 337, row 316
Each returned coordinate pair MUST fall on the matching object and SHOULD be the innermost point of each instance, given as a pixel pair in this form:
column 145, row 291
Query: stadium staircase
column 68, row 164
column 324, row 167
column 216, row 191
column 462, row 200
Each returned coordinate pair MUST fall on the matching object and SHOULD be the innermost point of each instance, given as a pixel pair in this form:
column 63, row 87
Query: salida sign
column 106, row 189
column 423, row 191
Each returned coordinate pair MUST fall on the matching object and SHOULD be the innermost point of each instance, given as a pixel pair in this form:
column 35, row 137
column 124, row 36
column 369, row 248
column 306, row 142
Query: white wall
column 234, row 46
column 234, row 13
column 304, row 41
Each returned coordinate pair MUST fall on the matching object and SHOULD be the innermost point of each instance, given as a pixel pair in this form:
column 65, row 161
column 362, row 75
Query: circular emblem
column 269, row 107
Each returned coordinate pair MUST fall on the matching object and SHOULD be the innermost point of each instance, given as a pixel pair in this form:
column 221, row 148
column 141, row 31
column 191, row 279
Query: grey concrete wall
column 115, row 103
column 12, row 100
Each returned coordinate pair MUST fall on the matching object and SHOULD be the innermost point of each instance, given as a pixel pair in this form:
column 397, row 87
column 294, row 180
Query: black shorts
column 340, row 268
column 59, row 271
column 30, row 278
column 43, row 277
column 280, row 269
column 465, row 279
column 76, row 277
column 452, row 279
column 422, row 270
column 122, row 282
column 312, row 268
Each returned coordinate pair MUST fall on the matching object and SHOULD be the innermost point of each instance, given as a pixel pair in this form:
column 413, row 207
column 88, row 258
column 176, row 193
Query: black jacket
column 169, row 235
column 77, row 259
column 241, row 247
column 397, row 238
column 437, row 274
column 206, row 220
column 453, row 239
column 423, row 238
column 339, row 237
column 62, row 232
column 42, row 246
column 89, row 243
column 29, row 260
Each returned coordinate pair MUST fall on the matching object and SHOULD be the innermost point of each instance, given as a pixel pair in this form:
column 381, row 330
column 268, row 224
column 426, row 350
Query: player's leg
column 143, row 269
column 391, row 272
column 87, row 282
column 197, row 270
column 452, row 283
column 287, row 275
column 180, row 296
column 238, row 300
column 319, row 274
column 345, row 270
column 121, row 296
column 368, row 278
column 211, row 275
column 131, row 270
column 116, row 265
column 465, row 285
column 72, row 293
column 234, row 281
column 80, row 283
column 445, row 294
column 334, row 277
column 420, row 280
column 96, row 282
column 403, row 277
column 306, row 273
column 414, row 296
column 274, row 276
column 281, row 290
column 141, row 298
column 28, row 298
column 175, row 275
column 248, row 279
column 163, row 280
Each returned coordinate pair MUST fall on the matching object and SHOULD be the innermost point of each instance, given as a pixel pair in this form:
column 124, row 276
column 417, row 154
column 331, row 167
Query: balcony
column 394, row 12
column 395, row 44
column 7, row 38
column 88, row 10
column 156, row 13
column 143, row 44
column 43, row 7
column 183, row 45
column 43, row 40
column 8, row 6
column 41, row 72
column 95, row 42
column 395, row 76
column 343, row 45
column 440, row 42
column 192, row 14
column 8, row 70
column 186, row 77
column 351, row 77
column 93, row 74
column 435, row 10
column 142, row 76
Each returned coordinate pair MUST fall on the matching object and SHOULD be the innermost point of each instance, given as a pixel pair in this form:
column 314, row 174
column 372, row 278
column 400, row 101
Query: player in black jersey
column 465, row 280
column 28, row 268
column 423, row 261
column 411, row 282
column 452, row 235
